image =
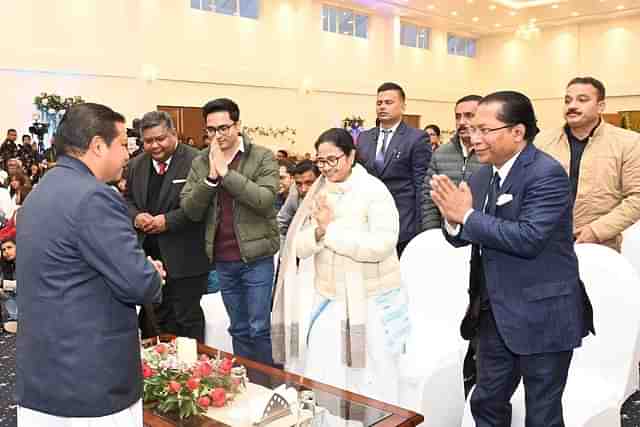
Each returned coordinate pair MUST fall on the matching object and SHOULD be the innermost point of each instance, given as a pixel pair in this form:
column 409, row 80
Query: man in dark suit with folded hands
column 528, row 307
column 154, row 183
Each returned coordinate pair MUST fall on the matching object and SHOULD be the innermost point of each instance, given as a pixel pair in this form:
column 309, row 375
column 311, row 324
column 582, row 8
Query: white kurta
column 130, row 417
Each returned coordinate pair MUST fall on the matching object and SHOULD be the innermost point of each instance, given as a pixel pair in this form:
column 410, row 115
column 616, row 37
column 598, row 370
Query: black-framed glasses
column 487, row 131
column 158, row 139
column 331, row 161
column 222, row 129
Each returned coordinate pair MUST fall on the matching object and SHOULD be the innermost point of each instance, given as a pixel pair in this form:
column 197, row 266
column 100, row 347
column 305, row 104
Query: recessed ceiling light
column 497, row 25
column 469, row 1
column 431, row 7
column 492, row 7
column 575, row 14
column 620, row 7
column 513, row 13
column 554, row 6
column 533, row 20
column 475, row 19
column 454, row 13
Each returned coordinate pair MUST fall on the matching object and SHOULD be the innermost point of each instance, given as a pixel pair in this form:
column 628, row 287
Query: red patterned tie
column 162, row 168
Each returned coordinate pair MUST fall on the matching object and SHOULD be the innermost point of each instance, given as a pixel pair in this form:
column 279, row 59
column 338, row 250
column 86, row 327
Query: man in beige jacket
column 603, row 164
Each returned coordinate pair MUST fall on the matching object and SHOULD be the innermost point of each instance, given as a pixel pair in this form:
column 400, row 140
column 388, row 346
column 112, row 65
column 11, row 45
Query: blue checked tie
column 379, row 162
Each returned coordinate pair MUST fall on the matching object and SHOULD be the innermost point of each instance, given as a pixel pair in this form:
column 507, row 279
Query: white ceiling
column 481, row 17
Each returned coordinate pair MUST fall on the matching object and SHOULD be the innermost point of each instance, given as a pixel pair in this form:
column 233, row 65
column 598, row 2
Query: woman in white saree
column 340, row 315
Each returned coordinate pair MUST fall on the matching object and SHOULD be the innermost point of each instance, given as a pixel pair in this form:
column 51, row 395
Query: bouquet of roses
column 170, row 386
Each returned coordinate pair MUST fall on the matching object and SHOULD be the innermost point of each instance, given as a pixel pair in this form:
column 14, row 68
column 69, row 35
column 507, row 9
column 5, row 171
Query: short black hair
column 392, row 86
column 288, row 165
column 515, row 109
column 26, row 135
column 8, row 239
column 222, row 104
column 469, row 98
column 435, row 128
column 156, row 118
column 12, row 130
column 284, row 153
column 81, row 123
column 305, row 166
column 338, row 137
column 590, row 81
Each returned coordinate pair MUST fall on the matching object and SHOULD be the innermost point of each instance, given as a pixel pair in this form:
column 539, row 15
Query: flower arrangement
column 353, row 122
column 172, row 386
column 288, row 133
column 52, row 103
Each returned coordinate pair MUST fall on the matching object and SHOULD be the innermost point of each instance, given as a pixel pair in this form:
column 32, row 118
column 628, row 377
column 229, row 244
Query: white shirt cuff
column 206, row 181
column 454, row 231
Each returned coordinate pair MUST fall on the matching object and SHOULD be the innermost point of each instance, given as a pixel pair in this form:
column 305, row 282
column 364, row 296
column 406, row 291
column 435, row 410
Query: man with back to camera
column 81, row 275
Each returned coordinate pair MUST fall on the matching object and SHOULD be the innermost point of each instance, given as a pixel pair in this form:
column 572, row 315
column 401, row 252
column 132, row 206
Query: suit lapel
column 145, row 170
column 485, row 182
column 370, row 148
column 517, row 171
column 392, row 148
column 169, row 176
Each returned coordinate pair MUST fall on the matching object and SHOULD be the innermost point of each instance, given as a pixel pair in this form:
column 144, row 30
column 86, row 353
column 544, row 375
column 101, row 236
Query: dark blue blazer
column 530, row 266
column 407, row 158
column 81, row 273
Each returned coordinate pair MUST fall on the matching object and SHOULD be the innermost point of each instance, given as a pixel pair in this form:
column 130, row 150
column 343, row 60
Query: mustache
column 573, row 112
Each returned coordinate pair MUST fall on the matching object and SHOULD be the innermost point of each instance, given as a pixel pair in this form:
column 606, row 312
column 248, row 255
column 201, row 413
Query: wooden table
column 351, row 405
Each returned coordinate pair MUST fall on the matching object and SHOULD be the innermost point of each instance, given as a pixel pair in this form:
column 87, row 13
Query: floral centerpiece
column 172, row 386
column 52, row 103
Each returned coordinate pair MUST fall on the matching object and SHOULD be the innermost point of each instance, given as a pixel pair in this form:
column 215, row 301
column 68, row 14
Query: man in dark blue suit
column 528, row 307
column 398, row 155
column 81, row 274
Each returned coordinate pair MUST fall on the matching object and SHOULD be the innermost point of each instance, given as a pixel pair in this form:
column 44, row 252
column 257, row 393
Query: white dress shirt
column 381, row 136
column 156, row 165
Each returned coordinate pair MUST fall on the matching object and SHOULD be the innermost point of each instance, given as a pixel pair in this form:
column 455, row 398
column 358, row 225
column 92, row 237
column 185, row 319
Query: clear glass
column 362, row 26
column 250, row 9
column 226, row 7
column 345, row 18
column 408, row 34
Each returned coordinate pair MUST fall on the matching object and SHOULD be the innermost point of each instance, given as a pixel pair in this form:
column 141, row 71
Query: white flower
column 45, row 101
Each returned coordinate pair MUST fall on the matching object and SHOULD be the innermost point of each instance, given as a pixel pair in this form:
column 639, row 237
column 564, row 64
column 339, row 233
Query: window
column 413, row 36
column 244, row 8
column 461, row 46
column 344, row 21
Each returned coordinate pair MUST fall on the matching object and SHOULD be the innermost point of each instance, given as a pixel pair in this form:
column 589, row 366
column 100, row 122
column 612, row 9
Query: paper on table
column 9, row 285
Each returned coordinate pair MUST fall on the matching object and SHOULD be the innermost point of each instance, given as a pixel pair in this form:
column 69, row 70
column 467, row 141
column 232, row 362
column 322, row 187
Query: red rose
column 147, row 372
column 174, row 387
column 193, row 383
column 204, row 369
column 160, row 349
column 225, row 366
column 218, row 397
column 204, row 401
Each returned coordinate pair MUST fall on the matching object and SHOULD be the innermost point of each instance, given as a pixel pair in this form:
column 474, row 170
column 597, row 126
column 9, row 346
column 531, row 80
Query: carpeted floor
column 630, row 410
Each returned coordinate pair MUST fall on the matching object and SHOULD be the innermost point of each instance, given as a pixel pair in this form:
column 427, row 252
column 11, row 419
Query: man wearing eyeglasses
column 232, row 187
column 528, row 308
column 154, row 181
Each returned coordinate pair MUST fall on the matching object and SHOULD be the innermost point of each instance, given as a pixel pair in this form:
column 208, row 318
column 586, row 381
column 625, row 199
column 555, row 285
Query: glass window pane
column 408, row 34
column 250, row 8
column 461, row 46
column 423, row 38
column 325, row 18
column 345, row 18
column 333, row 19
column 471, row 48
column 362, row 23
column 209, row 5
column 196, row 4
column 227, row 7
column 451, row 44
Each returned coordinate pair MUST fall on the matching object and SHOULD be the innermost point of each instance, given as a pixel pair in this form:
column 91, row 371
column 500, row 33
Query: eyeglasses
column 222, row 129
column 158, row 139
column 487, row 131
column 331, row 161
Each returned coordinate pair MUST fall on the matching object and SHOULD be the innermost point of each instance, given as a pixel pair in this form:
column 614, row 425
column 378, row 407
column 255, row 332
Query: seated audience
column 19, row 188
column 7, row 285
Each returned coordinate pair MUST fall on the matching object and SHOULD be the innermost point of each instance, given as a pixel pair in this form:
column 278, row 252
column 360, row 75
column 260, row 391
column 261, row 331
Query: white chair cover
column 436, row 276
column 604, row 371
column 216, row 322
column 631, row 245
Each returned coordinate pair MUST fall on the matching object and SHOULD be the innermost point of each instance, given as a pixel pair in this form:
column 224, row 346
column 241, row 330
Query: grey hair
column 156, row 118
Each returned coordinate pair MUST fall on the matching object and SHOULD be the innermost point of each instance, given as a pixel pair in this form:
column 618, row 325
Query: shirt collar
column 504, row 170
column 393, row 128
column 166, row 162
column 571, row 136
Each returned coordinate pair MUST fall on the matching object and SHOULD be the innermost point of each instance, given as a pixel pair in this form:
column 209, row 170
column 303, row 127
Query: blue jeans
column 11, row 306
column 246, row 293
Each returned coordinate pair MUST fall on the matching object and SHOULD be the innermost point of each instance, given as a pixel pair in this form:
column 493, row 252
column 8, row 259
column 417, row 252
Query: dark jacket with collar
column 447, row 160
column 253, row 187
column 81, row 273
column 182, row 245
column 405, row 166
column 528, row 257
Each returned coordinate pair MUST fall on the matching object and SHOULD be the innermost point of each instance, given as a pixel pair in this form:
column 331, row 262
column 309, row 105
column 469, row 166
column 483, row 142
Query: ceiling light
column 533, row 20
column 454, row 13
column 431, row 7
column 513, row 13
column 497, row 25
column 492, row 7
column 475, row 19
column 469, row 1
column 575, row 14
column 555, row 6
column 620, row 7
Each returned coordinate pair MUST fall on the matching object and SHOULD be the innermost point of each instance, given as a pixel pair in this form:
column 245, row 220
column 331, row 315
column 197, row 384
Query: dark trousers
column 179, row 313
column 499, row 372
column 246, row 292
column 401, row 246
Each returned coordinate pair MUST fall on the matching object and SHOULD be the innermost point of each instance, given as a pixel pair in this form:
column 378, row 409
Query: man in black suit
column 155, row 179
column 398, row 155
